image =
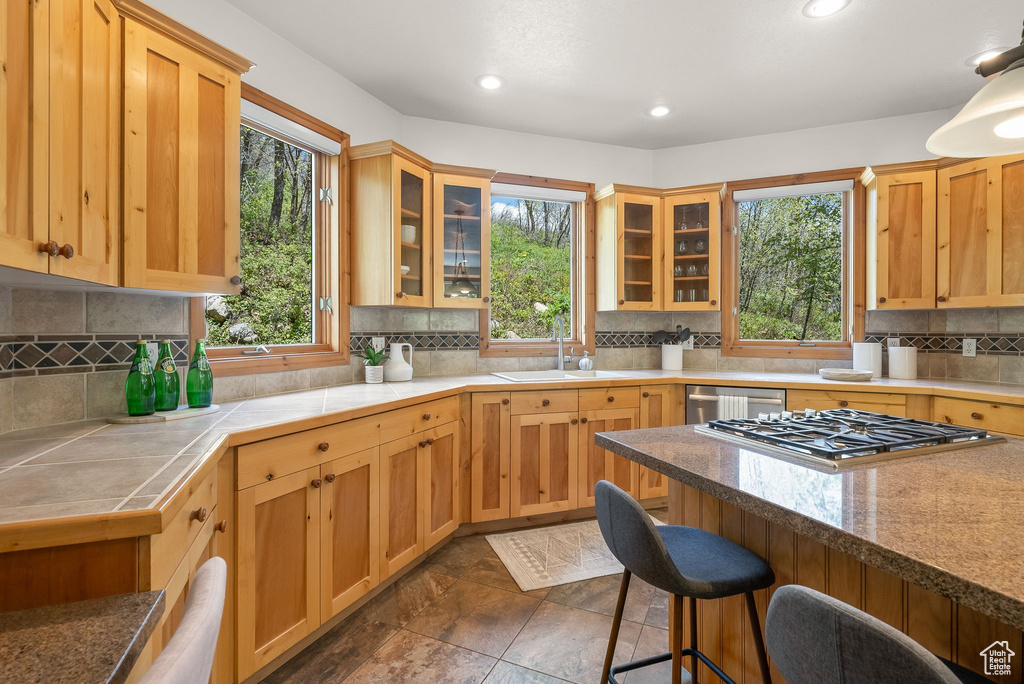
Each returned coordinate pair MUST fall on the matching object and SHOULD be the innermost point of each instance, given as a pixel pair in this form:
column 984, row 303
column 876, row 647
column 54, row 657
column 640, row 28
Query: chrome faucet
column 558, row 333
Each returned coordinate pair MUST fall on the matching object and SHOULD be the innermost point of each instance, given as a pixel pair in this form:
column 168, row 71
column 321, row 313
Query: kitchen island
column 930, row 544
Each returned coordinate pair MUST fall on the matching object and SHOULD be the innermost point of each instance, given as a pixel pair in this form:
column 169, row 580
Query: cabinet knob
column 573, row 421
column 222, row 526
column 545, row 402
column 198, row 514
column 621, row 302
column 67, row 251
column 583, row 420
column 329, row 478
column 844, row 403
column 430, row 440
column 504, row 402
column 235, row 280
column 881, row 300
column 611, row 399
column 323, row 446
column 486, row 299
column 646, row 395
column 976, row 416
column 714, row 302
column 316, row 483
column 399, row 294
column 426, row 416
column 51, row 248
column 942, row 299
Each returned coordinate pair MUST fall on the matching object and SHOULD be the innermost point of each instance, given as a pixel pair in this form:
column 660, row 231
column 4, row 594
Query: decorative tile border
column 22, row 355
column 470, row 340
column 996, row 344
column 701, row 340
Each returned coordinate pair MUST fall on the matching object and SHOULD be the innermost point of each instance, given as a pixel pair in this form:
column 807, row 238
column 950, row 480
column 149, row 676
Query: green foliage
column 530, row 263
column 373, row 357
column 791, row 268
column 276, row 300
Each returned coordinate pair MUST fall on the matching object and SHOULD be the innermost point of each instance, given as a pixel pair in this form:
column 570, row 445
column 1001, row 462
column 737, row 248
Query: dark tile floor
column 460, row 617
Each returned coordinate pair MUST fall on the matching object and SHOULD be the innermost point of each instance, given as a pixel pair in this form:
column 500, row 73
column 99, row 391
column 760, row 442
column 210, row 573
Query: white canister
column 396, row 368
column 868, row 356
column 671, row 357
column 903, row 363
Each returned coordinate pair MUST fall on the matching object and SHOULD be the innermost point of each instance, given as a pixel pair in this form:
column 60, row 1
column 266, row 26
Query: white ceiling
column 589, row 69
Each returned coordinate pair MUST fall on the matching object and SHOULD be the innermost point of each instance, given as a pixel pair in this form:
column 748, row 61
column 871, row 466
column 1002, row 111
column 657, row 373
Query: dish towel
column 731, row 407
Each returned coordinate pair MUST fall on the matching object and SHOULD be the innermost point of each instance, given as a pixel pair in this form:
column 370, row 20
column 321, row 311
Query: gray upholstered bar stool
column 816, row 639
column 684, row 561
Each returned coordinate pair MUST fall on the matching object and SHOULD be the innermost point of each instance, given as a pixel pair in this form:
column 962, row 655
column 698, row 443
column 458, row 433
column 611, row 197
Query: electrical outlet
column 377, row 343
column 688, row 344
column 892, row 341
column 970, row 347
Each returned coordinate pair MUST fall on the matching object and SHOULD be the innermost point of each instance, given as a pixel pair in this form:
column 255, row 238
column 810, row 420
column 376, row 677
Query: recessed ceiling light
column 816, row 9
column 659, row 110
column 985, row 55
column 490, row 81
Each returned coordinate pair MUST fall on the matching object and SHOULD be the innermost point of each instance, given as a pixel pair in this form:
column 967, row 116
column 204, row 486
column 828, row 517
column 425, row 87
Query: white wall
column 863, row 143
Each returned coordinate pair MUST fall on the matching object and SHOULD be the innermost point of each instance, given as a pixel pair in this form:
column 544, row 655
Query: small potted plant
column 373, row 359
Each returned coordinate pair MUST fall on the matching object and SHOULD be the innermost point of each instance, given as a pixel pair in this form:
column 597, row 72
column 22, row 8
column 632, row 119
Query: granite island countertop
column 950, row 522
column 84, row 472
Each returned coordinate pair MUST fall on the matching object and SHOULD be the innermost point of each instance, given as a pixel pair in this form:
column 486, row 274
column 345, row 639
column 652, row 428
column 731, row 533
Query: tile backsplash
column 64, row 353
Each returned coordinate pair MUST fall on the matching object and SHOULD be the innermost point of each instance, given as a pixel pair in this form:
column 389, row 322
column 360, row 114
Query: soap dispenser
column 586, row 363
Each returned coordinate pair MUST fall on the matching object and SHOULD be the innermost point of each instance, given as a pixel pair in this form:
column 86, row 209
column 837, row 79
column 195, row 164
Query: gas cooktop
column 841, row 437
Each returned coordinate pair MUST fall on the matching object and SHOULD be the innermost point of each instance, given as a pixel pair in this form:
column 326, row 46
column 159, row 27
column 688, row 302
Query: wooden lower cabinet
column 544, row 463
column 1002, row 418
column 876, row 402
column 401, row 503
column 655, row 411
column 598, row 464
column 278, row 552
column 440, row 483
column 944, row 627
column 490, row 458
column 350, row 530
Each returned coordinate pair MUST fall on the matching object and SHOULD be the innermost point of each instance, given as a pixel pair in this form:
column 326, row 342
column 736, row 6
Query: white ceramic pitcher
column 397, row 369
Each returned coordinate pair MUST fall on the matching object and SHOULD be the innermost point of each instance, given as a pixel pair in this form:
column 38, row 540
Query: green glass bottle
column 140, row 389
column 199, row 382
column 168, row 386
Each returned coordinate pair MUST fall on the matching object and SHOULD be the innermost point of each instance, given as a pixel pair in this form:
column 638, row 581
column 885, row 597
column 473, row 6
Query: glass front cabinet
column 462, row 239
column 691, row 234
column 629, row 249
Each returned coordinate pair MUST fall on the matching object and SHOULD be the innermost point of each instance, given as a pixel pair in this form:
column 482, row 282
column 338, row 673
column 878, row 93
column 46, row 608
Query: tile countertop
column 950, row 522
column 92, row 468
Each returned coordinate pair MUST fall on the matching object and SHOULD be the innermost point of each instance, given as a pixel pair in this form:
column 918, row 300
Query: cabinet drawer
column 545, row 401
column 274, row 458
column 409, row 421
column 609, row 397
column 995, row 417
column 877, row 402
column 167, row 548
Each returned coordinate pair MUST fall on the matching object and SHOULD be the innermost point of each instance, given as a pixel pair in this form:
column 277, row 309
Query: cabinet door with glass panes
column 691, row 265
column 412, row 233
column 462, row 241
column 639, row 252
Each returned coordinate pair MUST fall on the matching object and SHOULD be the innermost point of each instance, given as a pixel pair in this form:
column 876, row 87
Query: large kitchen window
column 788, row 276
column 539, row 234
column 289, row 312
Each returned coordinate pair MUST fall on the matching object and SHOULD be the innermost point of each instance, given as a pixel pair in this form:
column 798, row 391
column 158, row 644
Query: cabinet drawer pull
column 583, row 420
column 426, row 416
column 976, row 416
column 329, row 478
column 611, row 399
column 198, row 514
column 646, row 395
column 546, row 402
column 844, row 403
column 504, row 402
column 51, row 248
column 573, row 421
column 323, row 446
column 316, row 483
column 222, row 526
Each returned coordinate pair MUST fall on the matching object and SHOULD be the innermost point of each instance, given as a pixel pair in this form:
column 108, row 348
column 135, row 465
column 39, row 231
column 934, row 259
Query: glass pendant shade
column 990, row 125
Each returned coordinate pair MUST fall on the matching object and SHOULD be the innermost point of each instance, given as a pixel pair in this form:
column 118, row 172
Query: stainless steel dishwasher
column 708, row 403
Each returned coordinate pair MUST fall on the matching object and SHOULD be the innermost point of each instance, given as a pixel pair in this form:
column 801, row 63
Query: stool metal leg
column 693, row 640
column 755, row 626
column 676, row 647
column 616, row 623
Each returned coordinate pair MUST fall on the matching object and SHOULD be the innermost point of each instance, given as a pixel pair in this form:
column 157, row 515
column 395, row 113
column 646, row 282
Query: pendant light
column 992, row 123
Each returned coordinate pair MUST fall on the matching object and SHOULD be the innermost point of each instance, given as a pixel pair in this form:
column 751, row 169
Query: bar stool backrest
column 815, row 639
column 630, row 534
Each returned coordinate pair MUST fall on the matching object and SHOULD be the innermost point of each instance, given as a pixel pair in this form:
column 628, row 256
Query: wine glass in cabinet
column 692, row 232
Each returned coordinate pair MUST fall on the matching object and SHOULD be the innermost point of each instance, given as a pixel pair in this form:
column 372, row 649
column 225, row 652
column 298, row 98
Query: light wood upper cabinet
column 462, row 240
column 181, row 166
column 401, row 503
column 981, row 233
column 350, row 530
column 692, row 236
column 278, row 554
column 597, row 464
column 391, row 193
column 544, row 463
column 440, row 482
column 491, row 452
column 901, row 229
column 630, row 247
column 656, row 410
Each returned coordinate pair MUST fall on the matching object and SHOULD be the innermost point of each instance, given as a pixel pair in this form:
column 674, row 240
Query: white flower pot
column 374, row 374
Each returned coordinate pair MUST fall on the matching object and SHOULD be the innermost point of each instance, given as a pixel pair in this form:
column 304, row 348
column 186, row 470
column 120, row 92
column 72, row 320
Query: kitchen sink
column 554, row 375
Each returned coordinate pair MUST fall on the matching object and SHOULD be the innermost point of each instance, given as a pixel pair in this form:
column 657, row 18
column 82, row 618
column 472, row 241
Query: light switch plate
column 688, row 344
column 378, row 343
column 892, row 341
column 970, row 347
